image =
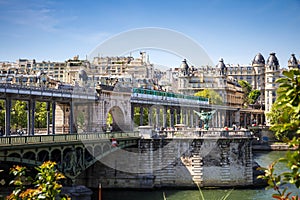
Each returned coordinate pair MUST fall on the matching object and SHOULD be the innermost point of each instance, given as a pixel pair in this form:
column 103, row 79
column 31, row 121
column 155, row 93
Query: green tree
column 46, row 183
column 109, row 119
column 18, row 114
column 278, row 116
column 214, row 97
column 40, row 115
column 253, row 96
column 287, row 104
column 80, row 121
column 288, row 121
column 2, row 113
column 247, row 88
column 136, row 117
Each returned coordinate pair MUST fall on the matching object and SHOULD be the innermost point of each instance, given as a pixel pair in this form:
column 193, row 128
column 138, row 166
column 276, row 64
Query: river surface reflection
column 263, row 159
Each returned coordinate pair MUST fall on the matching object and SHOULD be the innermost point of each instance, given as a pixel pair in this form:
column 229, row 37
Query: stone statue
column 205, row 117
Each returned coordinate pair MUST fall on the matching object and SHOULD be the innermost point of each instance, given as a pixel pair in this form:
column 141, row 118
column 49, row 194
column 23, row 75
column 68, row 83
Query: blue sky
column 234, row 30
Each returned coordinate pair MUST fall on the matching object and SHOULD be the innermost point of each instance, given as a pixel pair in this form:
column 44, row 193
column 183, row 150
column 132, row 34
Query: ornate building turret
column 184, row 68
column 82, row 77
column 258, row 64
column 221, row 66
column 272, row 63
column 258, row 61
column 272, row 74
column 293, row 63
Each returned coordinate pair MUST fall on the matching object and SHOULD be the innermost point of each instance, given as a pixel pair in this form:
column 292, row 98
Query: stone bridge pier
column 209, row 162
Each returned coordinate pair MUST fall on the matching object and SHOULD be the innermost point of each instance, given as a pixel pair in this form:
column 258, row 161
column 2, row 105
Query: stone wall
column 175, row 163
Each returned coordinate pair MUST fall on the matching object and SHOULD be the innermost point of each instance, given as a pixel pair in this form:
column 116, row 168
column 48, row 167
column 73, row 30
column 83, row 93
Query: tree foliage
column 278, row 116
column 287, row 121
column 19, row 116
column 287, row 104
column 214, row 97
column 45, row 185
column 137, row 114
column 250, row 95
column 245, row 86
column 41, row 115
column 253, row 96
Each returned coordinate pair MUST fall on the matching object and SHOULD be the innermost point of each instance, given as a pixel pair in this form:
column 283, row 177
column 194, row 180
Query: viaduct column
column 53, row 116
column 178, row 116
column 89, row 120
column 172, row 117
column 7, row 115
column 71, row 129
column 218, row 119
column 48, row 118
column 182, row 116
column 191, row 118
column 28, row 118
column 197, row 121
column 32, row 115
column 237, row 117
column 132, row 116
column 141, row 115
column 157, row 117
column 164, row 116
column 150, row 111
column 186, row 117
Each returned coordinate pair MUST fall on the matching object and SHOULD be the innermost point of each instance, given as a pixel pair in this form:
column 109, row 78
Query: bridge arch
column 88, row 153
column 43, row 156
column 97, row 150
column 56, row 155
column 29, row 155
column 14, row 155
column 118, row 118
column 106, row 148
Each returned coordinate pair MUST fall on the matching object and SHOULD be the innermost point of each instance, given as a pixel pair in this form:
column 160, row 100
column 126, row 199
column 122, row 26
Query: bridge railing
column 36, row 139
column 204, row 133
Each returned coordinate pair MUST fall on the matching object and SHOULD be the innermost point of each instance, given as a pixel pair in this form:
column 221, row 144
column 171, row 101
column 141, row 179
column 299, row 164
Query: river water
column 263, row 159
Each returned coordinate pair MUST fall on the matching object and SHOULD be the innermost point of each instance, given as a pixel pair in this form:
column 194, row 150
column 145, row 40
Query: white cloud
column 34, row 14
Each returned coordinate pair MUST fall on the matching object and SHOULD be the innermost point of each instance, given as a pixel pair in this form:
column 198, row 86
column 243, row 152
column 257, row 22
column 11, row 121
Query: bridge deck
column 23, row 90
column 62, row 138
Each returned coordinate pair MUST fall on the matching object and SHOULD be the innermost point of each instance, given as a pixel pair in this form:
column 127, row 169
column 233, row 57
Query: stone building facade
column 192, row 80
column 223, row 79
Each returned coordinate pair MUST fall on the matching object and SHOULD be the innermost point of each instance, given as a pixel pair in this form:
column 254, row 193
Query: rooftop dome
column 221, row 64
column 83, row 75
column 258, row 60
column 272, row 60
column 222, row 67
column 292, row 62
column 184, row 65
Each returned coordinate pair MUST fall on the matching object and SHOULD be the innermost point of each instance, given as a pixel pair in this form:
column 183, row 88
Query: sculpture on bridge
column 73, row 162
column 205, row 117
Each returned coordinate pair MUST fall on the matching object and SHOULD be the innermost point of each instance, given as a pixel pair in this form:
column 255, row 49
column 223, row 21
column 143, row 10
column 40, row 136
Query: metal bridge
column 73, row 152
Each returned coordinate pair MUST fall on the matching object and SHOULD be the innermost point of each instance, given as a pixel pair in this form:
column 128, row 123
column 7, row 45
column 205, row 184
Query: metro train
column 161, row 95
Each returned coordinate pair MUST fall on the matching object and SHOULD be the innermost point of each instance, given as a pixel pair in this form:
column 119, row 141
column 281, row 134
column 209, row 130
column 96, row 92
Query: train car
column 64, row 86
column 162, row 95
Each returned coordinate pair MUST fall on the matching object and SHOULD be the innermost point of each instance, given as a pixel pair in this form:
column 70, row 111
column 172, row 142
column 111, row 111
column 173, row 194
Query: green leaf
column 289, row 74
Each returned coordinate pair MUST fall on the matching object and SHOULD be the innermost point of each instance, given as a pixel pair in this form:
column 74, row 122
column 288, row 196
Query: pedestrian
column 114, row 142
